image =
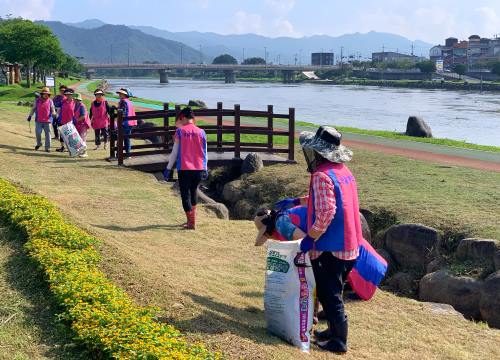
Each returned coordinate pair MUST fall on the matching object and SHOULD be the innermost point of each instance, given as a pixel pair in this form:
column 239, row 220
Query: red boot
column 191, row 219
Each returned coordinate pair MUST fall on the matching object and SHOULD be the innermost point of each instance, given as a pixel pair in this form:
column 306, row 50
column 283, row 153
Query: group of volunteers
column 327, row 222
column 68, row 107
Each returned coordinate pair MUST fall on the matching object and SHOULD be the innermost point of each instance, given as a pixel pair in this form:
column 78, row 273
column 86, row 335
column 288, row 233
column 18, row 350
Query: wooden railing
column 220, row 128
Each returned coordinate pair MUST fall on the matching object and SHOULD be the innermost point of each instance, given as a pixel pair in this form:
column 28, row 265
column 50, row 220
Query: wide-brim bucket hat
column 261, row 228
column 45, row 90
column 326, row 142
column 78, row 96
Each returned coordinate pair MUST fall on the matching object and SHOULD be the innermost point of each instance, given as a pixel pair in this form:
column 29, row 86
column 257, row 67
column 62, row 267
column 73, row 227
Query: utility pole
column 243, row 60
column 412, row 49
column 341, row 55
column 201, row 56
column 265, row 54
column 300, row 57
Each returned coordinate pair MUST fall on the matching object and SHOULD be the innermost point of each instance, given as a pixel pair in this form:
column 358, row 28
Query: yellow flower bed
column 101, row 314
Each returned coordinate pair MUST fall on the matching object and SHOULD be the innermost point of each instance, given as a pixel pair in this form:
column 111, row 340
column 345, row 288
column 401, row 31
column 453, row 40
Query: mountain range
column 93, row 39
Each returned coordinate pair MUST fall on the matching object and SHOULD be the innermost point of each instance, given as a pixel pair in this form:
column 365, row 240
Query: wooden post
column 177, row 111
column 112, row 139
column 120, row 137
column 237, row 142
column 270, row 126
column 291, row 134
column 166, row 125
column 219, row 126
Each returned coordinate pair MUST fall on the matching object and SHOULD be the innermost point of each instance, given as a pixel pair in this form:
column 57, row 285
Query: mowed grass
column 209, row 283
column 29, row 328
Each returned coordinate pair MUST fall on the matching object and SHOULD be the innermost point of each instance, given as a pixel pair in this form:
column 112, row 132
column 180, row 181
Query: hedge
column 102, row 315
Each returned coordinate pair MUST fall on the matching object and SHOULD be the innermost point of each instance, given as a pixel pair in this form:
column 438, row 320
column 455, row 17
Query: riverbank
column 219, row 300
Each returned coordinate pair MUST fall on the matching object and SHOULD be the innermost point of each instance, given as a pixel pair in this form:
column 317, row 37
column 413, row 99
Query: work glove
column 29, row 118
column 287, row 203
column 166, row 174
column 204, row 175
column 306, row 244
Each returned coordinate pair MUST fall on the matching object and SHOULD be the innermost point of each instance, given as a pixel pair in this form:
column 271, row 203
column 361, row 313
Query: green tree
column 495, row 68
column 254, row 61
column 225, row 59
column 427, row 67
column 27, row 43
column 460, row 69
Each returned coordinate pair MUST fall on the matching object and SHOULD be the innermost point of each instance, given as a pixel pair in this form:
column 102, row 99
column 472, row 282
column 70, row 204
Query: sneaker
column 37, row 147
column 61, row 149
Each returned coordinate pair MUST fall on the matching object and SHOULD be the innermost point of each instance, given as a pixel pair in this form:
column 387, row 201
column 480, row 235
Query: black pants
column 98, row 133
column 56, row 131
column 188, row 185
column 330, row 274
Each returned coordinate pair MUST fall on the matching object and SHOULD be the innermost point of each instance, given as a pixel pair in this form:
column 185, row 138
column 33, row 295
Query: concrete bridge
column 288, row 71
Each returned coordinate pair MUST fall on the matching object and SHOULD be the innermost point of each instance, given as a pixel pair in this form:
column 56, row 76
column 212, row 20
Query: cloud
column 28, row 9
column 489, row 20
column 244, row 22
column 281, row 6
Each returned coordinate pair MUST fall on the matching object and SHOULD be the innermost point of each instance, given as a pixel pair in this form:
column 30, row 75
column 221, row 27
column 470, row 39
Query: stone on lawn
column 478, row 249
column 489, row 303
column 233, row 191
column 197, row 103
column 244, row 210
column 365, row 228
column 252, row 164
column 416, row 126
column 463, row 293
column 220, row 210
column 403, row 282
column 411, row 245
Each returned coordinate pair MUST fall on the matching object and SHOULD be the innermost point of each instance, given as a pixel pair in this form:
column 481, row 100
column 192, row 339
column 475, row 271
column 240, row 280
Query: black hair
column 62, row 87
column 270, row 220
column 187, row 112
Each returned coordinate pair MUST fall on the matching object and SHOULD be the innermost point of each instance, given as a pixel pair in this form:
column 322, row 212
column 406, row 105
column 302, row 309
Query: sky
column 426, row 20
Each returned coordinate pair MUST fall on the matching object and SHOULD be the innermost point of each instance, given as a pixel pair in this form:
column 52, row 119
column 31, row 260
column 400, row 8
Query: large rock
column 489, row 303
column 390, row 262
column 478, row 249
column 463, row 293
column 244, row 210
column 220, row 210
column 365, row 228
column 145, row 126
column 253, row 192
column 403, row 282
column 197, row 103
column 252, row 164
column 233, row 191
column 411, row 245
column 416, row 126
column 496, row 260
column 441, row 309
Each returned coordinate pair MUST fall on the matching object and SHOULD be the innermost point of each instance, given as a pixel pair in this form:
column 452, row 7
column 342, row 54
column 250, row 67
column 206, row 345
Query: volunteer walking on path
column 58, row 100
column 128, row 110
column 66, row 113
column 190, row 153
column 99, row 116
column 334, row 227
column 45, row 113
column 82, row 120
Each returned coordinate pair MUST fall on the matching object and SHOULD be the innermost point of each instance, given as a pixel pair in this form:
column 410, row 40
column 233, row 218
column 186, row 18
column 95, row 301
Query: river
column 457, row 115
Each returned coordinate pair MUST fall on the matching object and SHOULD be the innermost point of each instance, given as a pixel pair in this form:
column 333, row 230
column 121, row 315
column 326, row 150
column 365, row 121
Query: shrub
column 103, row 317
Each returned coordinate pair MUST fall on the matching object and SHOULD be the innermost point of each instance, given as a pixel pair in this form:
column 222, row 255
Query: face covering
column 311, row 160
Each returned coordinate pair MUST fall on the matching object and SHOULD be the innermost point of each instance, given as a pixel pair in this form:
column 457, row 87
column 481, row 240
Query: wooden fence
column 220, row 127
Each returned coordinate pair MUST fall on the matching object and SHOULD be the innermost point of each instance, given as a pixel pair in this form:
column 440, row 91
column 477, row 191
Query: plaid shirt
column 325, row 208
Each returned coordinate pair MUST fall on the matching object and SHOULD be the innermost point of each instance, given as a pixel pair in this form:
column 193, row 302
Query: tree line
column 35, row 48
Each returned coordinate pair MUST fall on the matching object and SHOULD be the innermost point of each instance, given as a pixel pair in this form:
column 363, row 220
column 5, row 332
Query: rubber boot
column 192, row 219
column 324, row 335
column 188, row 220
column 338, row 341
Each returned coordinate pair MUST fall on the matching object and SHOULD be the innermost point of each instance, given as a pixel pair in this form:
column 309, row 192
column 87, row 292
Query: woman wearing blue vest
column 334, row 227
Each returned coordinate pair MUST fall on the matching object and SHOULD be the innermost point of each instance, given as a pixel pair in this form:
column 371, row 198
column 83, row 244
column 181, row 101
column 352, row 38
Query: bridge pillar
column 288, row 76
column 89, row 74
column 229, row 77
column 163, row 76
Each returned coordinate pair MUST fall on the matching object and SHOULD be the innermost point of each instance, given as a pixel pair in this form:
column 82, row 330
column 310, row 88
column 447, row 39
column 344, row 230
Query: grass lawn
column 23, row 93
column 28, row 325
column 209, row 283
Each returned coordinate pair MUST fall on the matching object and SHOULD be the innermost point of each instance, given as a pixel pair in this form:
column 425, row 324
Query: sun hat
column 125, row 92
column 45, row 90
column 98, row 92
column 69, row 91
column 77, row 96
column 261, row 227
column 326, row 142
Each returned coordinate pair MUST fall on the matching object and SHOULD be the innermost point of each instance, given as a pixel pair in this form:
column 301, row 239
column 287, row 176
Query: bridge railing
column 226, row 124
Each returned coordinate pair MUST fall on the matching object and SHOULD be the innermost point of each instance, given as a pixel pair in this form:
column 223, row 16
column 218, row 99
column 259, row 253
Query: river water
column 459, row 115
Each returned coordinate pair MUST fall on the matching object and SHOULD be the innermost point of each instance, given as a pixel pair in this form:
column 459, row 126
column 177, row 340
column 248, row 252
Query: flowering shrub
column 101, row 314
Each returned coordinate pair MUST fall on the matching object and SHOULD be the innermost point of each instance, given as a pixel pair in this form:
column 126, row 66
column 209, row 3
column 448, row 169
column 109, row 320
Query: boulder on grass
column 489, row 303
column 441, row 309
column 478, row 249
column 233, row 191
column 496, row 260
column 365, row 228
column 463, row 293
column 390, row 262
column 198, row 103
column 411, row 245
column 403, row 282
column 220, row 210
column 416, row 126
column 252, row 164
column 244, row 210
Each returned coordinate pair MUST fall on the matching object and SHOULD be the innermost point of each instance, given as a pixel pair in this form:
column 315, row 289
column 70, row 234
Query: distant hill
column 108, row 43
column 288, row 48
column 88, row 24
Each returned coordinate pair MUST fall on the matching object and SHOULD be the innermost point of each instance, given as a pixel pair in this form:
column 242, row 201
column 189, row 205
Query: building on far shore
column 322, row 58
column 475, row 52
column 390, row 56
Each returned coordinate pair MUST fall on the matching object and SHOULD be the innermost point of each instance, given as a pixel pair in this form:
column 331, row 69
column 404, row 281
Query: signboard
column 50, row 81
column 439, row 66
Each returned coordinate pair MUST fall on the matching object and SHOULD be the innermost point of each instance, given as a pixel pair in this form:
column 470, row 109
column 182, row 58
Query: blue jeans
column 127, row 130
column 45, row 127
